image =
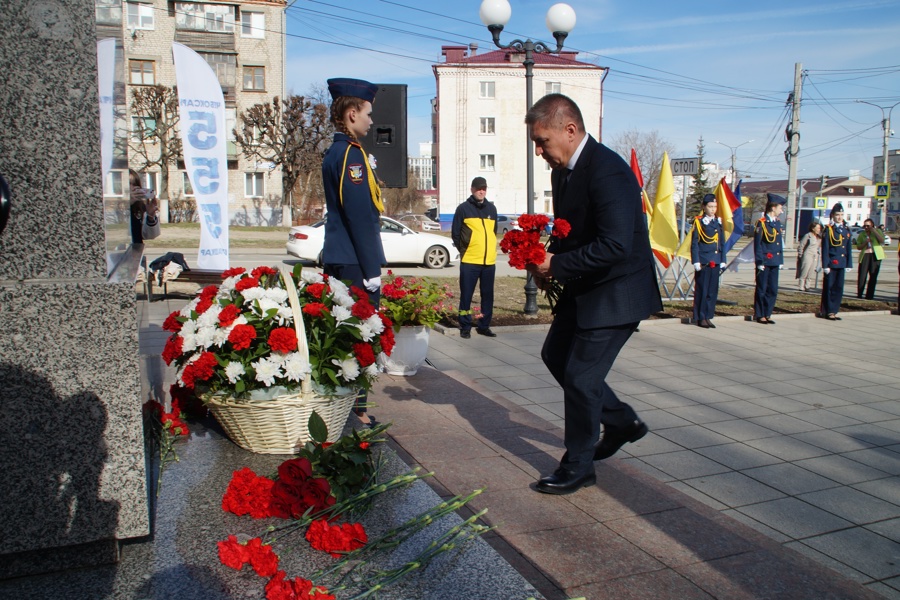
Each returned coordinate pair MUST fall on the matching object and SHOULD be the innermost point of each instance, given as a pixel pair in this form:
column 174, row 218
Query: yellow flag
column 663, row 224
column 684, row 250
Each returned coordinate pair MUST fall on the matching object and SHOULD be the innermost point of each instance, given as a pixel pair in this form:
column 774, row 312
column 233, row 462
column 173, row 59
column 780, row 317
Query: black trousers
column 766, row 292
column 579, row 360
column 868, row 269
column 832, row 292
column 706, row 292
column 469, row 275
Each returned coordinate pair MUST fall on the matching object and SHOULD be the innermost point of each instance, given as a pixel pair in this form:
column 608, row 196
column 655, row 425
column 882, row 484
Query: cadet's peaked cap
column 708, row 198
column 479, row 183
column 775, row 199
column 837, row 208
column 356, row 88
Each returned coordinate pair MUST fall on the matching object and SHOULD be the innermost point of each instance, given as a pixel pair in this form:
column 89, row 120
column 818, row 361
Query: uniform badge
column 355, row 172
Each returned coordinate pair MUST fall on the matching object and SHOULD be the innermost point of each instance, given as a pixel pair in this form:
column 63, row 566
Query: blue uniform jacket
column 707, row 252
column 353, row 228
column 768, row 243
column 836, row 247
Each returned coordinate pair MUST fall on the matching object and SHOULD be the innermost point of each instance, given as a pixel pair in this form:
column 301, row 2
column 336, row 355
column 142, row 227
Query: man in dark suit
column 606, row 267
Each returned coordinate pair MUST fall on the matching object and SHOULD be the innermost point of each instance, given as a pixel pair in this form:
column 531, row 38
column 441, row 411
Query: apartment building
column 244, row 43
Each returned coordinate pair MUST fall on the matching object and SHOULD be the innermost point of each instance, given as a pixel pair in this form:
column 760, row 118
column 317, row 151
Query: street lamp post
column 886, row 126
column 734, row 157
column 560, row 21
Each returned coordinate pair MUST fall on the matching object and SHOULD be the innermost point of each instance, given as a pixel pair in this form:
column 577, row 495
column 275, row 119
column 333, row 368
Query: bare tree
column 699, row 186
column 649, row 147
column 155, row 140
column 293, row 134
column 399, row 201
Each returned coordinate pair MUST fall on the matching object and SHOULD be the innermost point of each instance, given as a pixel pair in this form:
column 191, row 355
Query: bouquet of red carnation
column 525, row 247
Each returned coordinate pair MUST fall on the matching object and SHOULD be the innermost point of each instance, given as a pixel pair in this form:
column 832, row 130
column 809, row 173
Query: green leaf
column 318, row 430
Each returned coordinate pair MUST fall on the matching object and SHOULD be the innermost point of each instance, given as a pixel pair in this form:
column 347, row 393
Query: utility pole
column 793, row 135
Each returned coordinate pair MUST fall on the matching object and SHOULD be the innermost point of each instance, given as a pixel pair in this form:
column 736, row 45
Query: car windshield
column 392, row 227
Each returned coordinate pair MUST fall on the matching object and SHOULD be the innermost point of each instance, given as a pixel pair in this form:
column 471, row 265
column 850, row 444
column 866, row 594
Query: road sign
column 882, row 190
column 685, row 166
column 821, row 202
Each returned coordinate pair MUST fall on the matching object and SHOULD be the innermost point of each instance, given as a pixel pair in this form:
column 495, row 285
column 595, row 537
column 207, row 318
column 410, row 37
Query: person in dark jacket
column 352, row 250
column 708, row 258
column 474, row 234
column 609, row 285
column 837, row 259
column 768, row 250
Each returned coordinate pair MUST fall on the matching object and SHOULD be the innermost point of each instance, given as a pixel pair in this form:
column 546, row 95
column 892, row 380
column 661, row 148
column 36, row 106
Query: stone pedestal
column 71, row 439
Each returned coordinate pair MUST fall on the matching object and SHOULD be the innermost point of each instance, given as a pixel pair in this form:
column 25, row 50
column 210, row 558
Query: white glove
column 849, row 270
column 781, row 267
column 826, row 270
column 761, row 267
column 722, row 269
column 372, row 285
column 696, row 266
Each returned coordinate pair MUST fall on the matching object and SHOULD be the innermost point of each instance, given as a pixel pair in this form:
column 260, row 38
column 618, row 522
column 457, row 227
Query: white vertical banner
column 106, row 78
column 204, row 139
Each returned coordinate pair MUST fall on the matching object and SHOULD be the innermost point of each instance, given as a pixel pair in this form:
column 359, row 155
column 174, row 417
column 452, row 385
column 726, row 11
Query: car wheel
column 437, row 257
column 319, row 262
column 505, row 231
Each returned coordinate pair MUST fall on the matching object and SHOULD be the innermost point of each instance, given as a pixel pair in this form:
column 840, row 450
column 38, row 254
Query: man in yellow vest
column 870, row 243
column 474, row 233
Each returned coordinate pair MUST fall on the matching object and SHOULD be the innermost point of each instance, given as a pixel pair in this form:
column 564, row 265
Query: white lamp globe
column 560, row 18
column 495, row 12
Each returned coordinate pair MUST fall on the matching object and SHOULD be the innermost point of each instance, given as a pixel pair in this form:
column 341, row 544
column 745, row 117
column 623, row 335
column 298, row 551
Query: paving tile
column 743, row 409
column 518, row 511
column 651, row 444
column 697, row 495
column 643, row 586
column 523, row 382
column 787, row 448
column 693, row 436
column 852, row 504
column 741, row 430
column 832, row 441
column 754, row 524
column 812, row 384
column 642, row 466
column 577, row 556
column 425, row 447
column 493, row 473
column 864, row 413
column 734, row 489
column 824, row 418
column 784, row 424
column 634, row 387
column 619, row 495
column 840, row 469
column 835, row 565
column 496, row 368
column 891, row 406
column 664, row 400
column 861, row 549
column 790, row 479
column 704, row 395
column 794, row 518
column 871, row 433
column 889, row 529
column 885, row 590
column 660, row 419
column 684, row 464
column 745, row 392
column 700, row 414
column 542, row 395
column 738, row 456
column 780, row 388
column 887, row 489
column 680, row 537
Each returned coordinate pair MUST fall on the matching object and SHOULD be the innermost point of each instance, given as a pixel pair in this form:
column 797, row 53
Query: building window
column 253, row 25
column 255, row 78
column 553, row 87
column 487, row 89
column 218, row 18
column 487, row 162
column 150, row 181
column 114, row 186
column 142, row 128
column 186, row 184
column 487, row 125
column 142, row 72
column 225, row 66
column 253, row 185
column 548, row 202
column 109, row 12
column 140, row 16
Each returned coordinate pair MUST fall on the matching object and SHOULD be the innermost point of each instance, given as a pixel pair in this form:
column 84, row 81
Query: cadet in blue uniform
column 708, row 257
column 768, row 248
column 836, row 260
column 353, row 203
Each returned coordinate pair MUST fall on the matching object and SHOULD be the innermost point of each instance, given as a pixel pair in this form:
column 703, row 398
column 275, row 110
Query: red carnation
column 316, row 290
column 232, row 553
column 262, row 558
column 297, row 588
column 241, row 336
column 364, row 445
column 561, row 228
column 316, row 309
column 363, row 309
column 209, row 291
column 768, row 255
column 336, row 539
column 232, row 272
column 203, row 305
column 248, row 494
column 712, row 264
column 202, row 368
column 364, row 354
column 246, row 283
column 358, row 293
column 283, row 339
column 834, row 261
column 258, row 272
column 172, row 323
column 228, row 314
column 172, row 349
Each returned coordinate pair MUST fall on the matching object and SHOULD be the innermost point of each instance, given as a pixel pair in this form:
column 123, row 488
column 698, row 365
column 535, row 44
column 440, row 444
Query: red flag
column 645, row 199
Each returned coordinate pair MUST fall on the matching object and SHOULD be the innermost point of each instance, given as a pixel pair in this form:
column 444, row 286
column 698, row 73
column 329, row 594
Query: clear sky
column 722, row 70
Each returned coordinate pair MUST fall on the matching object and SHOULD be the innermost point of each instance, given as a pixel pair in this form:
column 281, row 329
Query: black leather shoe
column 465, row 333
column 564, row 481
column 711, row 324
column 486, row 331
column 703, row 323
column 770, row 322
column 614, row 439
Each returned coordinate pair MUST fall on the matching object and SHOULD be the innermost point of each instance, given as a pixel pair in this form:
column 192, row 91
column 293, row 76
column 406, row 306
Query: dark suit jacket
column 605, row 262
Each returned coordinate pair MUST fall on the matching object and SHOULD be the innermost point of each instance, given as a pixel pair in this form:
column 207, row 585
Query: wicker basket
column 279, row 426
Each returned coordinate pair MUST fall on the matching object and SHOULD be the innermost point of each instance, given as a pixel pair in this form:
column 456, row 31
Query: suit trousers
column 766, row 292
column 706, row 292
column 469, row 275
column 579, row 359
column 832, row 292
column 868, row 269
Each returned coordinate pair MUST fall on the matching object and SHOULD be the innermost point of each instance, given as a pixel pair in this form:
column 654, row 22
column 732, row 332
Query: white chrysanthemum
column 229, row 283
column 206, row 336
column 347, row 368
column 210, row 318
column 189, row 327
column 265, row 305
column 285, row 315
column 266, row 371
column 234, row 371
column 310, row 277
column 189, row 342
column 278, row 295
column 372, row 370
column 223, row 332
column 254, row 293
column 296, row 367
column 365, row 331
column 189, row 307
column 375, row 324
column 341, row 313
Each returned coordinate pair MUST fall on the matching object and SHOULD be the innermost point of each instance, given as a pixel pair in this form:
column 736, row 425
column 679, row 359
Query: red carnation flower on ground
column 232, row 553
column 336, row 539
column 316, row 309
column 246, row 283
column 248, row 494
column 228, row 314
column 297, row 588
column 364, row 445
column 283, row 339
column 172, row 323
column 262, row 558
column 241, row 336
column 232, row 272
column 172, row 349
column 364, row 354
